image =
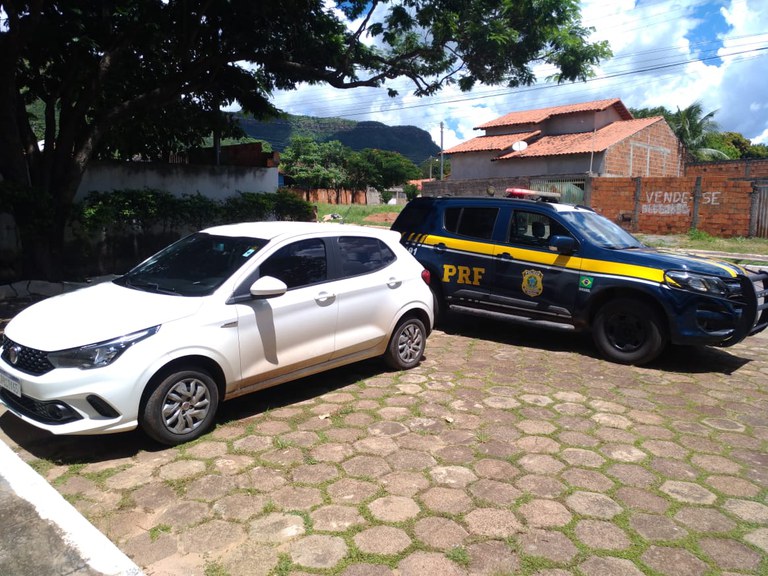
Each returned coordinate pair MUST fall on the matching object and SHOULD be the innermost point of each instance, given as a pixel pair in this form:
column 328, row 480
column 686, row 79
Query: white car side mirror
column 268, row 287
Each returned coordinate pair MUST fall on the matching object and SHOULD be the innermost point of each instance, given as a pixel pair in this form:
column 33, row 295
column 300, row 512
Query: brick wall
column 250, row 154
column 653, row 151
column 751, row 168
column 719, row 206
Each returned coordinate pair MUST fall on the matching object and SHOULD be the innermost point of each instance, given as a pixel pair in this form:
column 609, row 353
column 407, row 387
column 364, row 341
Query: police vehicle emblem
column 532, row 284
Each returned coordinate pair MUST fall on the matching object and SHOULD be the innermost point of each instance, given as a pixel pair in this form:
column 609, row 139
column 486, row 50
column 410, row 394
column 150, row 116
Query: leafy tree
column 391, row 168
column 101, row 68
column 757, row 151
column 334, row 156
column 692, row 127
column 651, row 112
column 430, row 168
column 360, row 172
column 158, row 133
column 411, row 191
column 737, row 146
column 334, row 166
column 316, row 165
column 729, row 143
column 385, row 196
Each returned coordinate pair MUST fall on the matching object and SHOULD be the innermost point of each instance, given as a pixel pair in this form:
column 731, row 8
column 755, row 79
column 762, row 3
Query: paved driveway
column 510, row 450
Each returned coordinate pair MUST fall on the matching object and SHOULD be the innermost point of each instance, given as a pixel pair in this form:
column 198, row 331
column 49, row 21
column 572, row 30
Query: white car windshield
column 194, row 266
column 601, row 231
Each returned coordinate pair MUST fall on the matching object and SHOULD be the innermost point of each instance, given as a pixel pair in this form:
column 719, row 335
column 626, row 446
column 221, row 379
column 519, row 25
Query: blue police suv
column 559, row 264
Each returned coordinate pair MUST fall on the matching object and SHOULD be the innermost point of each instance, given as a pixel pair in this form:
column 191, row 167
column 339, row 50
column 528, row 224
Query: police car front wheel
column 629, row 331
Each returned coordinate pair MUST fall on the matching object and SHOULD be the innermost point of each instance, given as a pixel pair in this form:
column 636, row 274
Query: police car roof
column 556, row 206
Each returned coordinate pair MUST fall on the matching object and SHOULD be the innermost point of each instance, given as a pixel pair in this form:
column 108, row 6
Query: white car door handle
column 394, row 283
column 325, row 298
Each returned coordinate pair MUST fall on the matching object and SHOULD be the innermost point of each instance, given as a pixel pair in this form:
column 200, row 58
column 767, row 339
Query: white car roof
column 273, row 229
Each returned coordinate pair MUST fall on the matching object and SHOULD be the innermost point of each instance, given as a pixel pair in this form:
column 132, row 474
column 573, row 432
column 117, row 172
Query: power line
column 755, row 52
column 361, row 105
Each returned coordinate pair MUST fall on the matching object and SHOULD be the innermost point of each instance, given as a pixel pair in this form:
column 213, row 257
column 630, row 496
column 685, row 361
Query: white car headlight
column 695, row 282
column 99, row 354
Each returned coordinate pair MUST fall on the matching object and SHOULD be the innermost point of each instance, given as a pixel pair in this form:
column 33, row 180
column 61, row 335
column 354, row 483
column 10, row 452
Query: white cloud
column 657, row 45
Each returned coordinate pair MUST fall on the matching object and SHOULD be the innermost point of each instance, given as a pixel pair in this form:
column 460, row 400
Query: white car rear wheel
column 406, row 346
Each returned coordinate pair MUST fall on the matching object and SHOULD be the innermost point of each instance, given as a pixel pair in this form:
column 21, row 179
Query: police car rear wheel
column 629, row 331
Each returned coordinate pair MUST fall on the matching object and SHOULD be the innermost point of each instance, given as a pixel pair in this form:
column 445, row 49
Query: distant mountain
column 413, row 143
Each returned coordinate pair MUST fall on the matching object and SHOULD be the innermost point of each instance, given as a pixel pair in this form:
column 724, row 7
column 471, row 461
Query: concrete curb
column 98, row 552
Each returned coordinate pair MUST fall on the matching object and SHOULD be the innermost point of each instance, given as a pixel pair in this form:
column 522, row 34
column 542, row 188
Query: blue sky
column 666, row 53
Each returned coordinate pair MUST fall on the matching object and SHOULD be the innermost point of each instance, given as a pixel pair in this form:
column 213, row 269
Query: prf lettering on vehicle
column 462, row 274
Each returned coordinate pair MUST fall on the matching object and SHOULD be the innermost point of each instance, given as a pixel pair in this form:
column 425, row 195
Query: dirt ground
column 382, row 218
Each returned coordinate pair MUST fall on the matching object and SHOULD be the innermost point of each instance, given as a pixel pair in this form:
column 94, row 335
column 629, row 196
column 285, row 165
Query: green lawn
column 695, row 240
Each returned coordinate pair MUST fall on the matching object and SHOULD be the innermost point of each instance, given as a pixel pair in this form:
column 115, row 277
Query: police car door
column 465, row 256
column 531, row 280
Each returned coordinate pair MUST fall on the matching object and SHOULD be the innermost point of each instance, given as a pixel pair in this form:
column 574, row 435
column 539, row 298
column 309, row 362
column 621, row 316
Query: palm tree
column 692, row 127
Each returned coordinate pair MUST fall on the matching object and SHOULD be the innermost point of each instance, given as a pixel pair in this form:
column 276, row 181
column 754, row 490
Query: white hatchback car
column 218, row 314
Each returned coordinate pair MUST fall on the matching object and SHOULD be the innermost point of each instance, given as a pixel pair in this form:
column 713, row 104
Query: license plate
column 10, row 383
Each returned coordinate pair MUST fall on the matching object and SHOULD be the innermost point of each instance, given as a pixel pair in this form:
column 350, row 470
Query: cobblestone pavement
column 509, row 450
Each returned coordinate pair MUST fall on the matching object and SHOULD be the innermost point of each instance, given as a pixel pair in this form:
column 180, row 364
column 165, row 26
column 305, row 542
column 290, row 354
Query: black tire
column 406, row 346
column 629, row 331
column 182, row 407
column 439, row 307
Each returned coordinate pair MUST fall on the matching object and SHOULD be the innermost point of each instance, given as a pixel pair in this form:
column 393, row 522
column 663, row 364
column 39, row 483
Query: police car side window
column 471, row 222
column 531, row 228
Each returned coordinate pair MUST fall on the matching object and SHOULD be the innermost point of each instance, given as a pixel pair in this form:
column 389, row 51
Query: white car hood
column 95, row 314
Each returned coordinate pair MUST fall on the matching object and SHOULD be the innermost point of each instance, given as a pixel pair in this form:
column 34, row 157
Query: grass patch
column 284, row 566
column 695, row 235
column 354, row 213
column 42, row 467
column 699, row 240
column 156, row 531
column 215, row 569
column 459, row 555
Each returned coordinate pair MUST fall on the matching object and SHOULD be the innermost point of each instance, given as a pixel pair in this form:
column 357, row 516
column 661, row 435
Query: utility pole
column 441, row 151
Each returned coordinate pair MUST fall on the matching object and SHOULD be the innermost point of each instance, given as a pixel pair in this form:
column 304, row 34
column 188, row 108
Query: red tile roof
column 495, row 143
column 583, row 142
column 536, row 116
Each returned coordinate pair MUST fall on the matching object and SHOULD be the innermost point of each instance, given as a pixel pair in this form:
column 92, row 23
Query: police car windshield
column 601, row 231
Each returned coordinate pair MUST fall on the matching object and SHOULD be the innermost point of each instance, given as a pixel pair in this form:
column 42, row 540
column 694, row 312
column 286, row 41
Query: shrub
column 699, row 236
column 411, row 191
column 114, row 230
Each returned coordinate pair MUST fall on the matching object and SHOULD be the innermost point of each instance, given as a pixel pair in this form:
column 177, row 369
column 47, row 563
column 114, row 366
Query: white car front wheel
column 181, row 408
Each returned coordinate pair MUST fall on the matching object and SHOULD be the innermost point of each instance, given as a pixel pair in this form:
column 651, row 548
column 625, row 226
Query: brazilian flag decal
column 586, row 282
